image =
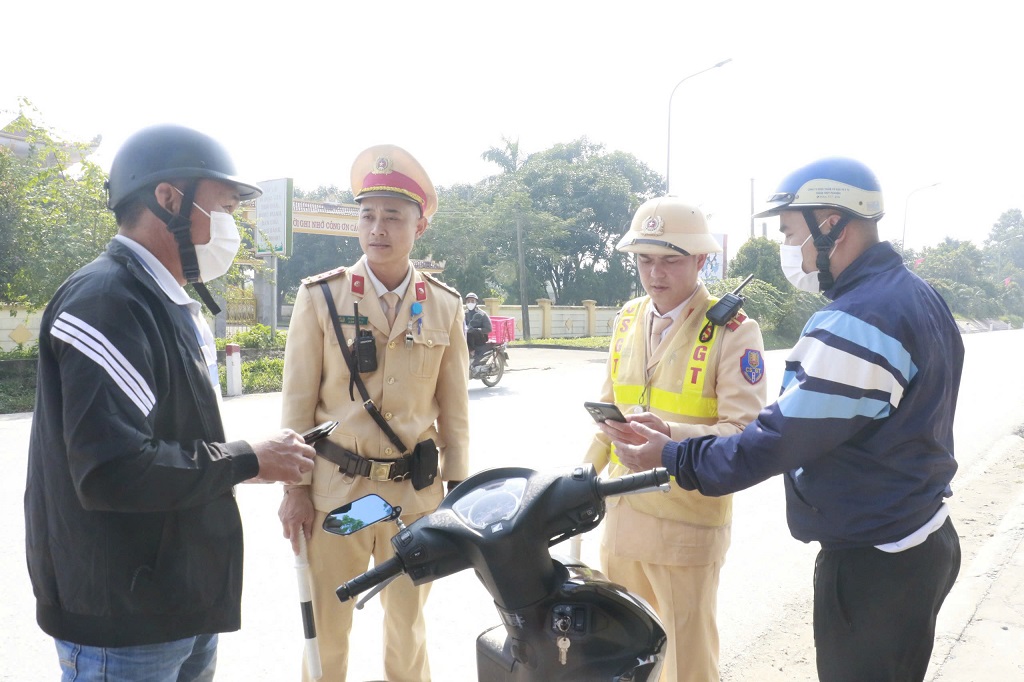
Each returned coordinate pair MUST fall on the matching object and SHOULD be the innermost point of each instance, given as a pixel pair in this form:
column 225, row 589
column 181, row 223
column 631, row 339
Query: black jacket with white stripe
column 132, row 531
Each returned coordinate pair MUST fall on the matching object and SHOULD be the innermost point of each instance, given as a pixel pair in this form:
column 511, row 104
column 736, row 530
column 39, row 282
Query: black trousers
column 874, row 612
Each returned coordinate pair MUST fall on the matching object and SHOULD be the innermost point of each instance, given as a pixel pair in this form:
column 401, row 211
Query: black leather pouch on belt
column 424, row 464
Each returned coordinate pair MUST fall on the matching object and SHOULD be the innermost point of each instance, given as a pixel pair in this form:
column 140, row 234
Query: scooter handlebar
column 375, row 576
column 632, row 483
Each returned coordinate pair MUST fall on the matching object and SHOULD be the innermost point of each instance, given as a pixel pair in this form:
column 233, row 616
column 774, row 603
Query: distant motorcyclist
column 478, row 326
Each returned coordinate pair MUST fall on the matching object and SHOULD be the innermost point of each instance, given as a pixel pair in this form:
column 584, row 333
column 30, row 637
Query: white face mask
column 216, row 256
column 471, row 305
column 792, row 260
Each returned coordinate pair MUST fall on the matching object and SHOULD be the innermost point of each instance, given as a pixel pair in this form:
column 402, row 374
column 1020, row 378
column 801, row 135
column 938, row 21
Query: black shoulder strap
column 354, row 372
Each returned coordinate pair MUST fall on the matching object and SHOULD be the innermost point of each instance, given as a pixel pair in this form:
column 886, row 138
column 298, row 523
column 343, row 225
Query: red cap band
column 393, row 182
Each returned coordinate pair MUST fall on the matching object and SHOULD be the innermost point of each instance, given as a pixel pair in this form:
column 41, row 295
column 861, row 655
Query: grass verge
column 17, row 394
column 591, row 342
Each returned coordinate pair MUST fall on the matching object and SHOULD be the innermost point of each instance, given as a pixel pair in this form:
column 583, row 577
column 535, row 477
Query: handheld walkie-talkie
column 728, row 305
column 365, row 347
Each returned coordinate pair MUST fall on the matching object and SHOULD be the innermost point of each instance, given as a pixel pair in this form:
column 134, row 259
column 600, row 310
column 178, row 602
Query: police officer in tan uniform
column 673, row 370
column 418, row 384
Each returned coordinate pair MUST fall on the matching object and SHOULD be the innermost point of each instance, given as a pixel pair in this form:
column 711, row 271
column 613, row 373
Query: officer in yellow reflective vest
column 674, row 371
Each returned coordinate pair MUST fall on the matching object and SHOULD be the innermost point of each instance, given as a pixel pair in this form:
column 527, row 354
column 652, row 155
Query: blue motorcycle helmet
column 846, row 185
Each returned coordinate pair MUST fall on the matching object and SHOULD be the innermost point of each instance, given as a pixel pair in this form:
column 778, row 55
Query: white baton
column 575, row 545
column 306, row 604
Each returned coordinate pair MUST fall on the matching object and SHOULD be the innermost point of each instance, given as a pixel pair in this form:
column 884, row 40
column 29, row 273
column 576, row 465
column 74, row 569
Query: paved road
column 534, row 418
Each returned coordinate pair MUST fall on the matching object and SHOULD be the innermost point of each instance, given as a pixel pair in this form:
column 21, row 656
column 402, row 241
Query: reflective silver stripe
column 94, row 345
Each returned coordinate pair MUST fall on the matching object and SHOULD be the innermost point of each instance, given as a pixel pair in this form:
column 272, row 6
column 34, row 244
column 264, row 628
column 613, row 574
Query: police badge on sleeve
column 752, row 365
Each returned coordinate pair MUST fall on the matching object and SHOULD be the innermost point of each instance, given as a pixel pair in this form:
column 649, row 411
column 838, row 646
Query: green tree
column 571, row 203
column 52, row 220
column 952, row 260
column 1004, row 247
column 760, row 256
column 954, row 269
column 511, row 211
column 594, row 194
column 458, row 235
column 508, row 157
column 475, row 232
column 10, row 219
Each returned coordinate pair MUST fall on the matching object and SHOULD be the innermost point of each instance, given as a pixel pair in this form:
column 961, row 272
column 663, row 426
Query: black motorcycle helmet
column 170, row 152
column 166, row 153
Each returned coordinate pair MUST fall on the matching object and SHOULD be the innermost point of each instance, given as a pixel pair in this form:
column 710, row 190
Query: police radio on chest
column 365, row 347
column 727, row 307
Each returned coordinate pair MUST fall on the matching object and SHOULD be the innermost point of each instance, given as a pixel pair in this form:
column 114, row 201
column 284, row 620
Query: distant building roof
column 434, row 267
column 17, row 141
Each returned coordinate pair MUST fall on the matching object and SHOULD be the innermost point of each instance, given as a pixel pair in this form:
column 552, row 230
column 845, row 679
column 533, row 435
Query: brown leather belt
column 374, row 469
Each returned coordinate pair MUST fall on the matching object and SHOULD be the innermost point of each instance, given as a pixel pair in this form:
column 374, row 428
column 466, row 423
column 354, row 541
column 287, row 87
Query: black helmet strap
column 181, row 227
column 824, row 243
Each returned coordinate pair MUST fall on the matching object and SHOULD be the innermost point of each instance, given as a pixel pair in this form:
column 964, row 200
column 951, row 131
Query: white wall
column 17, row 321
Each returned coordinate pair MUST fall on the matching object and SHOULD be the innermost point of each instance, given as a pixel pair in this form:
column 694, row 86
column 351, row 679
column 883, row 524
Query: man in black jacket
column 478, row 326
column 133, row 536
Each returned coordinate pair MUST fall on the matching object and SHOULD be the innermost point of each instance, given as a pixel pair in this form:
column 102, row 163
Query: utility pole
column 523, row 304
column 751, row 208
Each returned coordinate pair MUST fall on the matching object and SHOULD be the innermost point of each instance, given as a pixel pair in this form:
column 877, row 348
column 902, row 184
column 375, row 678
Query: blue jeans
column 192, row 659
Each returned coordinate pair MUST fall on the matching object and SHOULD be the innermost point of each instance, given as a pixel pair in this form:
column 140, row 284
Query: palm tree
column 507, row 158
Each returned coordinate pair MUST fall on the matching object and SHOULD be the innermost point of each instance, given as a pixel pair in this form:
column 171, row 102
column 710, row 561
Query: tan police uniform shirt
column 420, row 387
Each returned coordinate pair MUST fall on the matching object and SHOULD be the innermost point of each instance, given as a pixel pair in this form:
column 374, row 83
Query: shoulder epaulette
column 323, row 276
column 446, row 287
column 734, row 324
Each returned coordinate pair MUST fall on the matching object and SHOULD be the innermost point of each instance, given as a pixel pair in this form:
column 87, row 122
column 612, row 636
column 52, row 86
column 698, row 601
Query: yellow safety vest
column 689, row 402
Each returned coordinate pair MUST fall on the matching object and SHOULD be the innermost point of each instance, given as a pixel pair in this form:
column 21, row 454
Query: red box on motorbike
column 503, row 330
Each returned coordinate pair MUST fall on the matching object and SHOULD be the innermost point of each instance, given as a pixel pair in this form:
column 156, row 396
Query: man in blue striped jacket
column 862, row 431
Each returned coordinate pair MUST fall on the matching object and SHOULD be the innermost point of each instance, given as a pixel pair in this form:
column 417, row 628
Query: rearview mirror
column 358, row 514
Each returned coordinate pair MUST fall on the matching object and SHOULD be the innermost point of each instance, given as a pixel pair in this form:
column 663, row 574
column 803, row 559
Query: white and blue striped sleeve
column 843, row 375
column 844, row 368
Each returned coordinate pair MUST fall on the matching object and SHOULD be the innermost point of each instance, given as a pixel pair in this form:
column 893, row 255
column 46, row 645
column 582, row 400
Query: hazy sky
column 923, row 92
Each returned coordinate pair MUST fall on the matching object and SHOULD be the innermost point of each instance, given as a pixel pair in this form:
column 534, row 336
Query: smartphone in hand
column 318, row 432
column 604, row 412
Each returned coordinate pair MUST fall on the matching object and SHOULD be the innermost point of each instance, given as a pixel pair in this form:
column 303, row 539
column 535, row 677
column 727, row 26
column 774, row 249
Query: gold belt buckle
column 380, row 471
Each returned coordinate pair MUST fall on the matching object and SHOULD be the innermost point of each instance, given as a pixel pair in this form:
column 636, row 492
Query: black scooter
column 561, row 619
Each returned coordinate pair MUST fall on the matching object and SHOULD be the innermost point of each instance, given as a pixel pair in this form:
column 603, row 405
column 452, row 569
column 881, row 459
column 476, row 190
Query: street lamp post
column 906, row 205
column 668, row 137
